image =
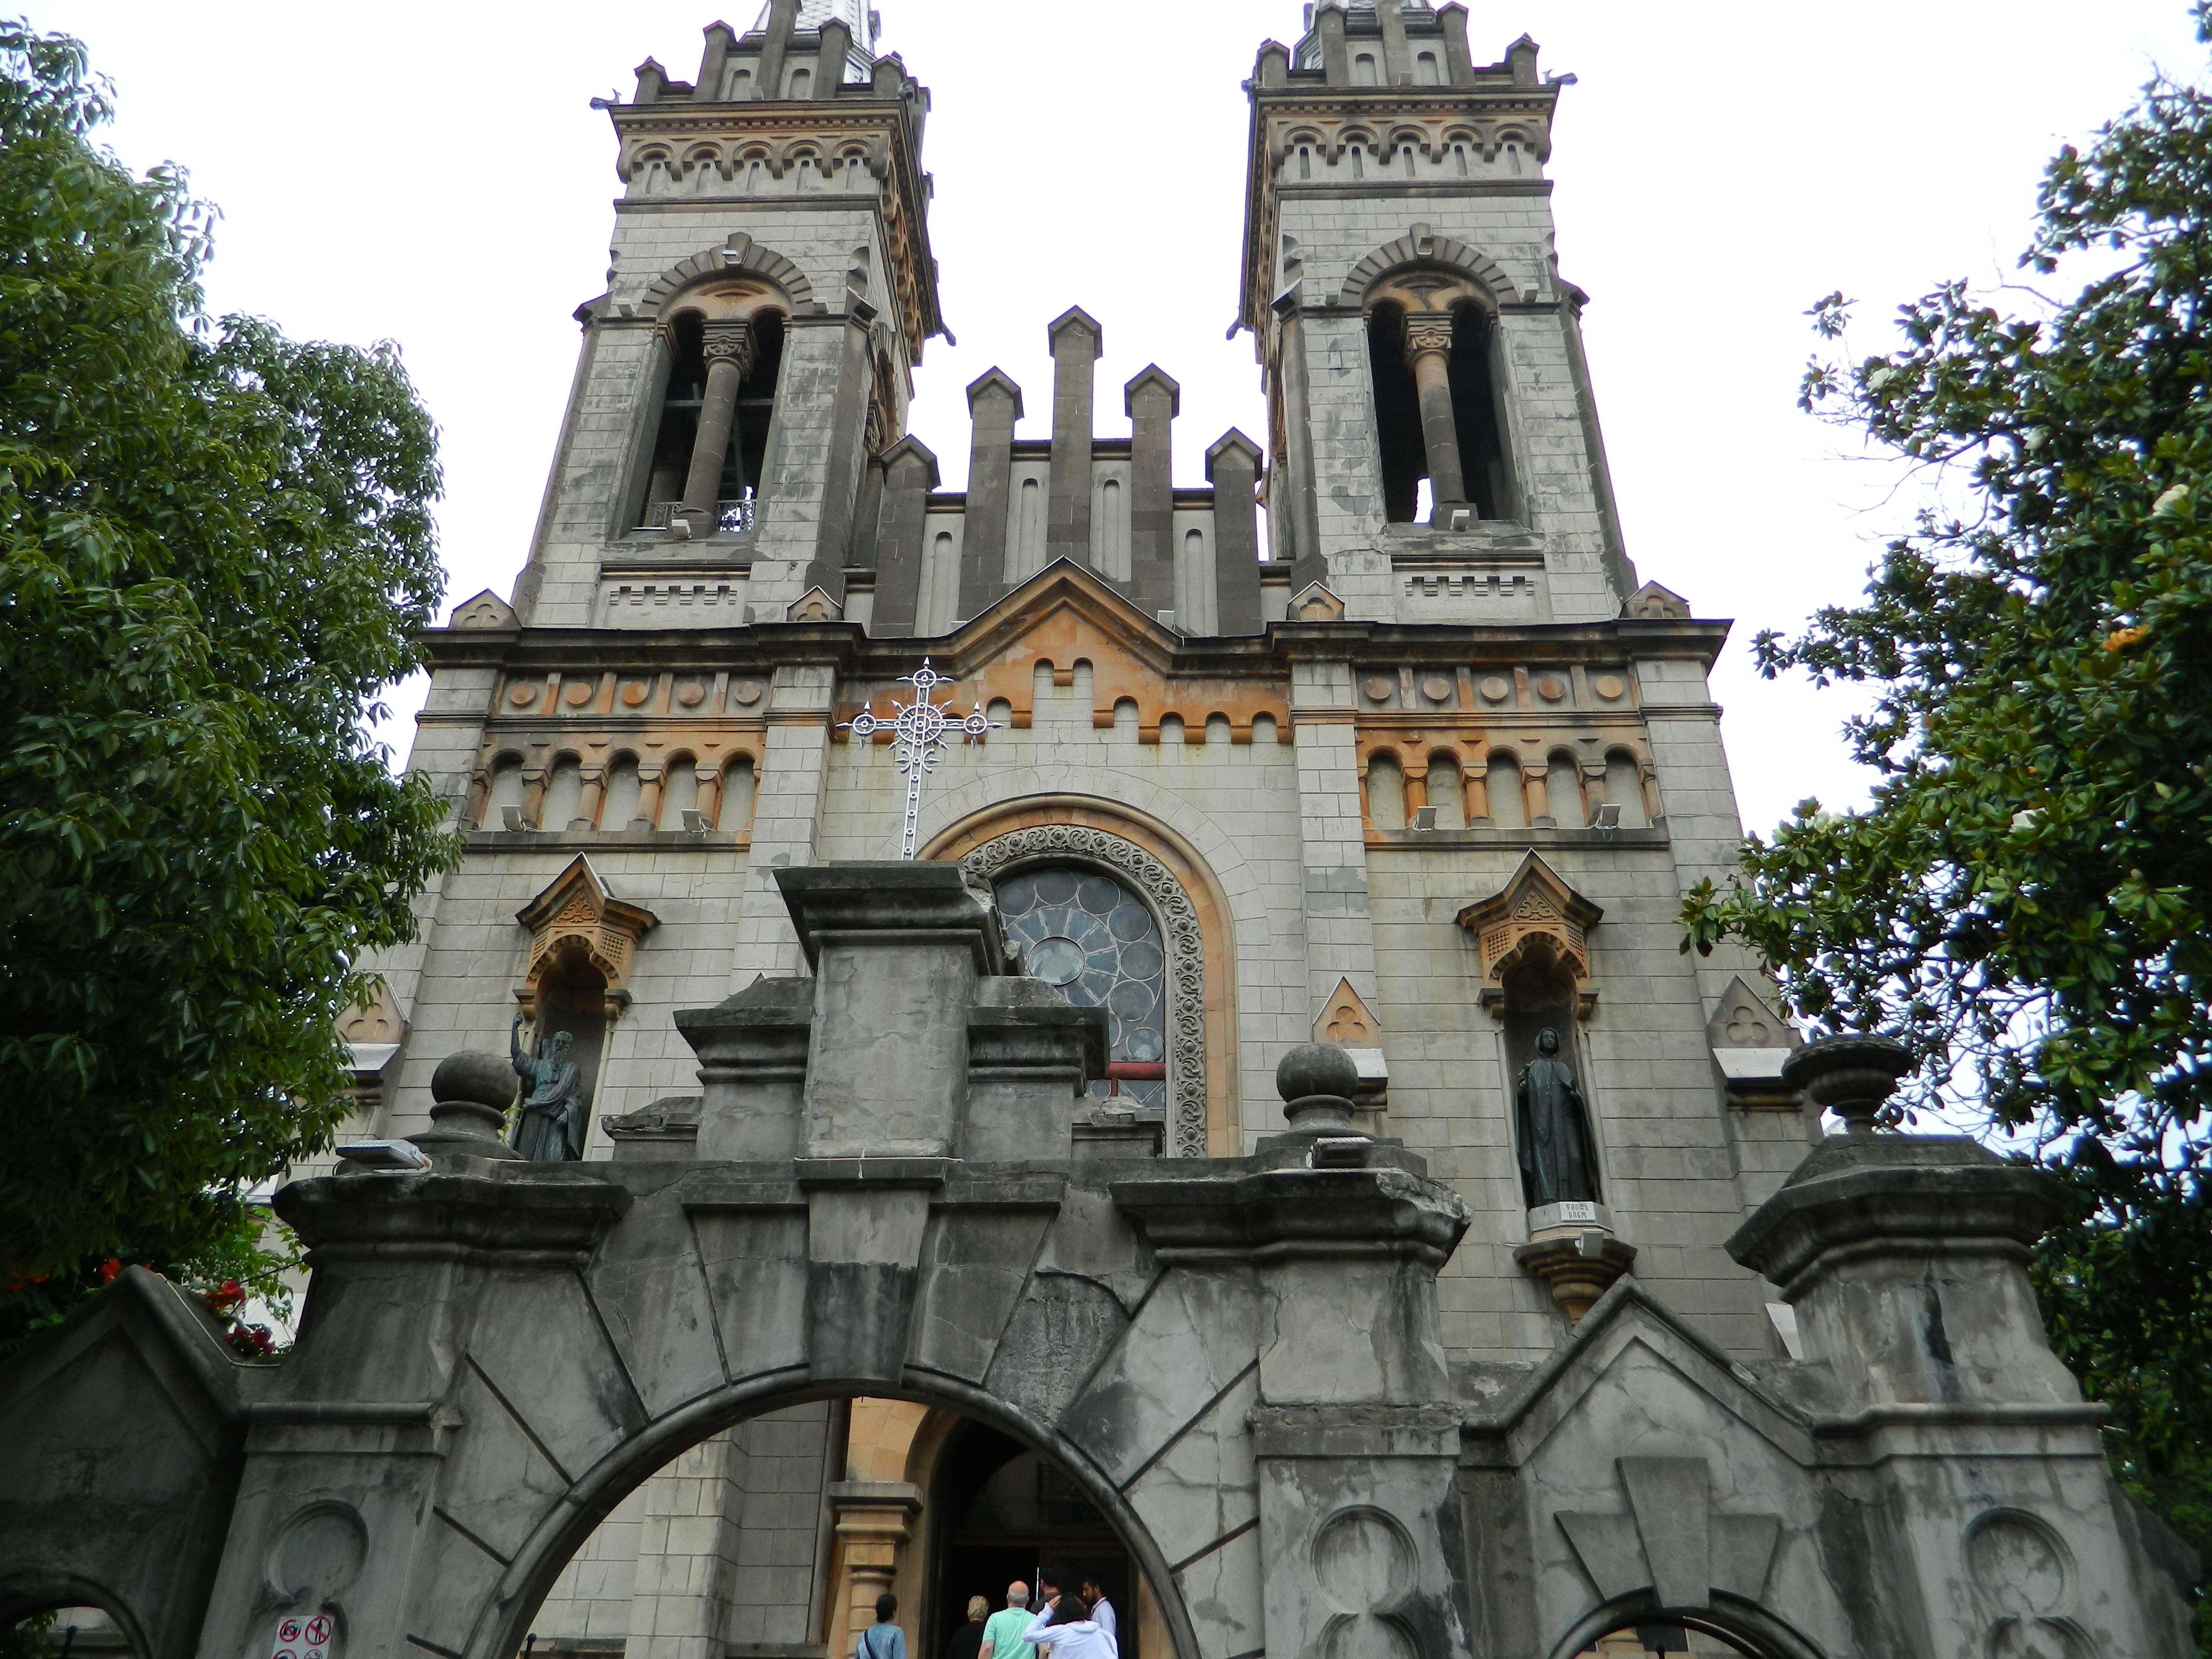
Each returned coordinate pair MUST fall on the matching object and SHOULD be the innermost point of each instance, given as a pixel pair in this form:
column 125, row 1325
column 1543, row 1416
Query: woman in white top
column 1067, row 1630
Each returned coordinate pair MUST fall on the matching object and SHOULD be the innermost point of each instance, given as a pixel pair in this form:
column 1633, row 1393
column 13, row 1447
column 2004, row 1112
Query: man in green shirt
column 1001, row 1634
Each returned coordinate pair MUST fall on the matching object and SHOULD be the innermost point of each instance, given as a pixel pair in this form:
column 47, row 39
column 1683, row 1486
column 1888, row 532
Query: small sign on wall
column 305, row 1636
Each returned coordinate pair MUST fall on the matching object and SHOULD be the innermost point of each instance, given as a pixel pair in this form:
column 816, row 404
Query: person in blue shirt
column 883, row 1639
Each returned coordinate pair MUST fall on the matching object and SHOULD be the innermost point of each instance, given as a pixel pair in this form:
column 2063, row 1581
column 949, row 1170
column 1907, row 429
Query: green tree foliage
column 215, row 548
column 2028, row 899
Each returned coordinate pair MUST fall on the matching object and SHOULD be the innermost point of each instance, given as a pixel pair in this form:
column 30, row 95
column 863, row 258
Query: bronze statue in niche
column 550, row 1128
column 1551, row 1119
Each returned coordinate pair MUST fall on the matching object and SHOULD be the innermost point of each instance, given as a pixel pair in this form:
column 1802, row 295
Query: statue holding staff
column 550, row 1126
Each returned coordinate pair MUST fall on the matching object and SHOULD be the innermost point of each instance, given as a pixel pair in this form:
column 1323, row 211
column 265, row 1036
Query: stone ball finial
column 1852, row 1076
column 470, row 1093
column 1316, row 1081
column 474, row 1075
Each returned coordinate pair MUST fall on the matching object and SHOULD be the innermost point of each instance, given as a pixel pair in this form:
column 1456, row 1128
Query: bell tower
column 769, row 294
column 1428, row 404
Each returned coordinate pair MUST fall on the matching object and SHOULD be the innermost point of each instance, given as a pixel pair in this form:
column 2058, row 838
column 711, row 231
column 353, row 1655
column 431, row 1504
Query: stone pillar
column 1232, row 467
column 1335, row 61
column 1339, row 932
column 1355, row 1441
column 849, row 436
column 783, row 16
column 830, row 66
column 896, row 950
column 1291, row 491
column 729, row 352
column 994, row 403
column 1152, row 400
column 909, row 474
column 1428, row 350
column 873, row 1521
column 1905, row 1259
column 712, row 62
column 787, row 817
column 1457, row 63
column 1076, row 345
column 1397, row 61
column 379, row 1399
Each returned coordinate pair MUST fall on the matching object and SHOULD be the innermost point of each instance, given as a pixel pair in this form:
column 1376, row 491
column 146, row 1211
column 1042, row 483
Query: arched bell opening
column 1437, row 370
column 722, row 374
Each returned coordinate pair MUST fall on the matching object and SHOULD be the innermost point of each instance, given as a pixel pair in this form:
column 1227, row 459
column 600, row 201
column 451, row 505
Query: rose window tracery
column 1082, row 931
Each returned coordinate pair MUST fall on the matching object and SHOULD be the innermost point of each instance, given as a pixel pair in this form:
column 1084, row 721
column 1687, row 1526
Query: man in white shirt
column 1102, row 1610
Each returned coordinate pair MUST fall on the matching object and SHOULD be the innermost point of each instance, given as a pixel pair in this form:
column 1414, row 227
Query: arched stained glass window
column 1084, row 932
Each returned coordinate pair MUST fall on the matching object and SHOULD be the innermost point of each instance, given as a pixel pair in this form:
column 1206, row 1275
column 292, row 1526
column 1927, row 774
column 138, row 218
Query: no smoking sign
column 304, row 1639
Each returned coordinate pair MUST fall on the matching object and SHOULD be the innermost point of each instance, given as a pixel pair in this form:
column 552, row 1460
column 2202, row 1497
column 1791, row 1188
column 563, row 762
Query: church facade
column 1372, row 737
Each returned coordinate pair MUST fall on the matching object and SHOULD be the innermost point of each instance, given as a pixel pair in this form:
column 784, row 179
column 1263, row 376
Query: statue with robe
column 1559, row 1161
column 550, row 1129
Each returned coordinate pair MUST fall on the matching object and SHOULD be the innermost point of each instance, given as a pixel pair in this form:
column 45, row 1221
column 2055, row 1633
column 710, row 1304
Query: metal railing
column 730, row 517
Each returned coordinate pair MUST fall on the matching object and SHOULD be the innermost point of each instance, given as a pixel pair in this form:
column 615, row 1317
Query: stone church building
column 1372, row 737
column 1421, row 769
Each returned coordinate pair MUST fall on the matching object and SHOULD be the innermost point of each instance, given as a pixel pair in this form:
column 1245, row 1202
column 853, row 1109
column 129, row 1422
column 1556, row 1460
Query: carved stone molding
column 1535, row 915
column 1427, row 332
column 1053, row 843
column 579, row 914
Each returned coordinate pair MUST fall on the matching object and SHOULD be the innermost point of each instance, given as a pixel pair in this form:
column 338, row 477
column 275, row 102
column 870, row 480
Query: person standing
column 968, row 1641
column 1102, row 1610
column 883, row 1639
column 1002, row 1635
column 1065, row 1629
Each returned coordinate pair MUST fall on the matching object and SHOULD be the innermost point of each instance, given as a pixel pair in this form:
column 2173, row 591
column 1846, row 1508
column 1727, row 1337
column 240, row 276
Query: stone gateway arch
column 1238, row 1361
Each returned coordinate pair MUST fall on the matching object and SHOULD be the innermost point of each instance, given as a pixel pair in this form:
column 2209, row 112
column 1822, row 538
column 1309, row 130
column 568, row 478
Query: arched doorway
column 1001, row 1509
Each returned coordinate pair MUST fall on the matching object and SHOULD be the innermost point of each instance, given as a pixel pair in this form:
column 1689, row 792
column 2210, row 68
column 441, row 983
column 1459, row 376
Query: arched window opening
column 1084, row 932
column 1386, row 792
column 1426, row 72
column 1406, row 158
column 619, row 809
column 1438, row 415
column 506, row 791
column 1459, row 159
column 1305, row 161
column 1445, row 793
column 1477, row 412
column 679, row 792
column 738, row 795
column 1507, row 809
column 714, row 419
column 1624, row 789
column 564, row 795
column 1363, row 70
column 1563, row 792
column 802, row 84
column 1397, row 414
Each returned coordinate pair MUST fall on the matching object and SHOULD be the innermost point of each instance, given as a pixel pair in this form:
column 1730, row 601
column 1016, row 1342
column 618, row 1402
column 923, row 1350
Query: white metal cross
column 920, row 730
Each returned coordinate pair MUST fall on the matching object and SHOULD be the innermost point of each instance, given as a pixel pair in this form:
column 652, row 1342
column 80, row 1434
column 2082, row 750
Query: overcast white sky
column 432, row 173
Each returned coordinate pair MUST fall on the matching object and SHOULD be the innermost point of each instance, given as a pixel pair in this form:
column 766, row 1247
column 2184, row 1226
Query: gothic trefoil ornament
column 919, row 735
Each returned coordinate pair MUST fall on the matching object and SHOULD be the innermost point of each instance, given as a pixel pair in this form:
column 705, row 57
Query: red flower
column 108, row 1269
